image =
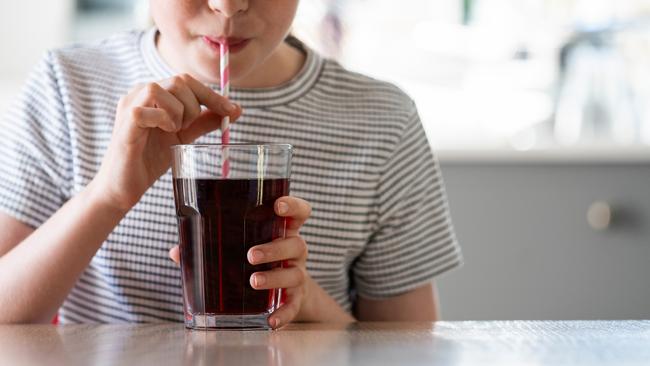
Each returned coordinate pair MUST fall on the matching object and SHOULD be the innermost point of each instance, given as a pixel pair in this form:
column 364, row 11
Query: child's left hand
column 292, row 251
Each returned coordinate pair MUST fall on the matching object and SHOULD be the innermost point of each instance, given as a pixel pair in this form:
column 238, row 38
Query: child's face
column 191, row 29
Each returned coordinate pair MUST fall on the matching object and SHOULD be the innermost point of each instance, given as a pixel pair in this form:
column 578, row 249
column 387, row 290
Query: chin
column 205, row 73
column 208, row 70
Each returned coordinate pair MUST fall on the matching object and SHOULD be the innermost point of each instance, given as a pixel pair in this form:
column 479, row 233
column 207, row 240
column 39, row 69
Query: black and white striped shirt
column 380, row 224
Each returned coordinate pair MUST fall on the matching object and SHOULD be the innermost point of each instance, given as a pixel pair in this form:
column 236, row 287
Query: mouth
column 235, row 44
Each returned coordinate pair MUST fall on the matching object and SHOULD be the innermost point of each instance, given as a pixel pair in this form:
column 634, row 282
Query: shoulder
column 115, row 54
column 366, row 92
column 117, row 46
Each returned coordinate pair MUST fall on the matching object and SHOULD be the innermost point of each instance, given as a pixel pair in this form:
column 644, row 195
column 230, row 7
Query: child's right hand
column 148, row 121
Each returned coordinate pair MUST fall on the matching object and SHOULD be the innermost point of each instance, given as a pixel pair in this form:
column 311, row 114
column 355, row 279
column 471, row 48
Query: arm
column 319, row 306
column 414, row 241
column 12, row 232
column 420, row 304
column 37, row 275
column 38, row 269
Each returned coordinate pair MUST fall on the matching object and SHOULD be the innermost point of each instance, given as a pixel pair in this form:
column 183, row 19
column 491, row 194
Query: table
column 440, row 343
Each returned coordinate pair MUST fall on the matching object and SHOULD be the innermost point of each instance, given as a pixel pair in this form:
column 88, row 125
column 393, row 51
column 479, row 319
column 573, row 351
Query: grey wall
column 529, row 251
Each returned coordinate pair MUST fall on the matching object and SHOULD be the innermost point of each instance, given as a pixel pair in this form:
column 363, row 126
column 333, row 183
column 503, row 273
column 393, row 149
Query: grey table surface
column 440, row 343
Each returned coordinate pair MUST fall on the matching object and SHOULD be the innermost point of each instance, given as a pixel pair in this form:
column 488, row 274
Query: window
column 501, row 73
column 485, row 74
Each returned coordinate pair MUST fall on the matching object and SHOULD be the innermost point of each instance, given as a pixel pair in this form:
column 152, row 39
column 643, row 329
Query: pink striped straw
column 225, row 91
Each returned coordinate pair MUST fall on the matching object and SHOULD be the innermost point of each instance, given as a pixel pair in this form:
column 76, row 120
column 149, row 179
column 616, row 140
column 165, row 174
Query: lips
column 235, row 44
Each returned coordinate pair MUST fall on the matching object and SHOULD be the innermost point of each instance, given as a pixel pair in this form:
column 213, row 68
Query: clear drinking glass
column 224, row 198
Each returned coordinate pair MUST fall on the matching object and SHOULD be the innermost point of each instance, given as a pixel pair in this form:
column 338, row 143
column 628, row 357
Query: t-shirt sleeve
column 34, row 149
column 414, row 240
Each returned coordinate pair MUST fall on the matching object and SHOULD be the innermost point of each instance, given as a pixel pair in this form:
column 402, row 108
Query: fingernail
column 282, row 208
column 255, row 256
column 274, row 322
column 230, row 107
column 258, row 280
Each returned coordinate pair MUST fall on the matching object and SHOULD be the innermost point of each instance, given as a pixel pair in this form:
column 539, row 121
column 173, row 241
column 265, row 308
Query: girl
column 87, row 214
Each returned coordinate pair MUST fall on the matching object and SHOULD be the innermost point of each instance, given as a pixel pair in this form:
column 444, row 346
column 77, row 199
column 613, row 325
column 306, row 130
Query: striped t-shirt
column 380, row 224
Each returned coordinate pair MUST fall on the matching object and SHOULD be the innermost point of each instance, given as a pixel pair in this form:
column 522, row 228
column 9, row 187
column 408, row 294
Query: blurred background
column 539, row 111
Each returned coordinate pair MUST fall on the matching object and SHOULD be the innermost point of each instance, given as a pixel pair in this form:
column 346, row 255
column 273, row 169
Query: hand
column 292, row 277
column 292, row 251
column 148, row 121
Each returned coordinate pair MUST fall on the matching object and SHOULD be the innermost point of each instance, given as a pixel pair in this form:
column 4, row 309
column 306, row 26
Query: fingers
column 175, row 254
column 291, row 279
column 180, row 98
column 207, row 121
column 278, row 278
column 296, row 210
column 155, row 96
column 289, row 310
column 192, row 93
column 150, row 106
column 291, row 248
column 145, row 117
column 209, row 98
column 181, row 91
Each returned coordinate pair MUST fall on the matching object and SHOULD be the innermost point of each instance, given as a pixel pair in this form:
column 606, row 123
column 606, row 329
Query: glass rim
column 232, row 146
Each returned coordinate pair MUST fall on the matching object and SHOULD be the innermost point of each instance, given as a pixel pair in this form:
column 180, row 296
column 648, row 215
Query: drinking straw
column 225, row 91
column 225, row 139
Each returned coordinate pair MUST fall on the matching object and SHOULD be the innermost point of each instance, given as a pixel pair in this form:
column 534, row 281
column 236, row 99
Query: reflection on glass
column 322, row 344
column 234, row 348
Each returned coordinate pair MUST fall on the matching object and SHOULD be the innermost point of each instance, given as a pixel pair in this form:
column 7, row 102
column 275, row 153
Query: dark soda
column 219, row 221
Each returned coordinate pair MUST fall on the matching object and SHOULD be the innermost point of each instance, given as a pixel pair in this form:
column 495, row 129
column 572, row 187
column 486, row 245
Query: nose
column 228, row 8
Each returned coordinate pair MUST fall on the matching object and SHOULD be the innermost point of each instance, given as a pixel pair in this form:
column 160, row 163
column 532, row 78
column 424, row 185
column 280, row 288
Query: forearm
column 321, row 307
column 420, row 304
column 37, row 275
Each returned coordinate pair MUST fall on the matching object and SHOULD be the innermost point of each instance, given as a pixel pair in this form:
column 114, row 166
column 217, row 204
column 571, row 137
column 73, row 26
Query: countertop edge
column 617, row 155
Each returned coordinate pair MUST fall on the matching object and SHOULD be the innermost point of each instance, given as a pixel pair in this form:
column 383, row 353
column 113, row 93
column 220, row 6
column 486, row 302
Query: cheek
column 279, row 16
column 172, row 16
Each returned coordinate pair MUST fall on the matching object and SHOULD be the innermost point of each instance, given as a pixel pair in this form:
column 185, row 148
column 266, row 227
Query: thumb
column 175, row 254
